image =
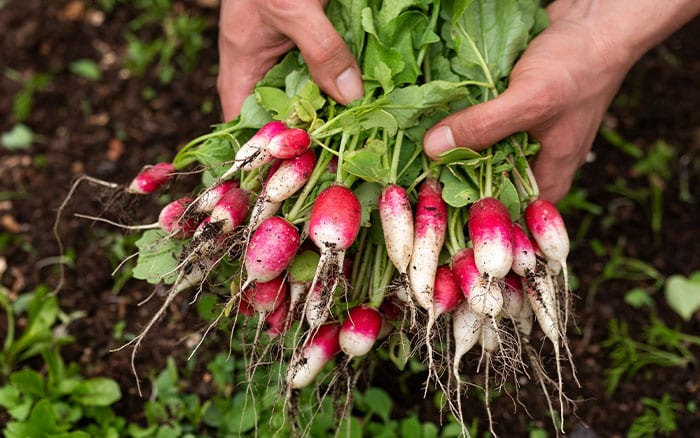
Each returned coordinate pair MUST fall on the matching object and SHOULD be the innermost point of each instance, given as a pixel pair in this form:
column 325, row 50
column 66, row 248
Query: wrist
column 625, row 29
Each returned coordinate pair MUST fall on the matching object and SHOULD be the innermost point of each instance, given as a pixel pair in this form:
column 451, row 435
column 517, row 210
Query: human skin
column 558, row 90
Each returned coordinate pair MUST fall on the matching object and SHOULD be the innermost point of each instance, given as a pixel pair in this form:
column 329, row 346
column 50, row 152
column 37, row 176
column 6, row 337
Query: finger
column 330, row 62
column 519, row 108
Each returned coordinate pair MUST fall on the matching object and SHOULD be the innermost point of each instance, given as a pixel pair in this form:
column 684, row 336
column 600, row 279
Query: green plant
column 660, row 346
column 177, row 42
column 683, row 294
column 659, row 417
column 655, row 165
column 59, row 400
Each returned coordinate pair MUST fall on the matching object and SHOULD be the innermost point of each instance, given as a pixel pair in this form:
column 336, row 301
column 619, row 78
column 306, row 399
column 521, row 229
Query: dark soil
column 111, row 127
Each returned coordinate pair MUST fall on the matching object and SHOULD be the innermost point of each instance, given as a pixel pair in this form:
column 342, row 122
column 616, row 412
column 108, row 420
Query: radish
column 317, row 305
column 466, row 330
column 253, row 153
column 333, row 227
column 484, row 296
column 397, row 224
column 429, row 236
column 360, row 330
column 207, row 201
column 172, row 218
column 266, row 296
column 524, row 253
column 287, row 178
column 151, row 178
column 512, row 295
column 548, row 229
column 289, row 143
column 491, row 232
column 231, row 210
column 317, row 351
column 278, row 321
column 271, row 249
column 447, row 295
column 335, row 220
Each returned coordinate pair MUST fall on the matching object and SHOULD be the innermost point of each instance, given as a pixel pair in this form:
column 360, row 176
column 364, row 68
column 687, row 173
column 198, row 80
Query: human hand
column 558, row 92
column 254, row 34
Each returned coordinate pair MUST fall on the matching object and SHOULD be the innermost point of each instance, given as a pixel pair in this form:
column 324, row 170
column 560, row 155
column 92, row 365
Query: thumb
column 482, row 125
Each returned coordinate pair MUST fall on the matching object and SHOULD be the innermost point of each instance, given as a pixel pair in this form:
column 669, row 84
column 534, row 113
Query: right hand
column 253, row 34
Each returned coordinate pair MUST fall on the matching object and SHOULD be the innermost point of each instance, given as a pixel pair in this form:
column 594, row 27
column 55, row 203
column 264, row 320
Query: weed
column 659, row 417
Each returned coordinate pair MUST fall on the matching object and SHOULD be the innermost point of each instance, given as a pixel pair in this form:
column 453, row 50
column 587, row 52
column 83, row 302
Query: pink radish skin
column 360, row 330
column 524, row 254
column 278, row 320
column 484, row 296
column 465, row 271
column 335, row 219
column 315, row 354
column 288, row 178
column 491, row 232
column 271, row 249
column 231, row 210
column 291, row 175
column 430, row 228
column 397, row 224
column 151, row 179
column 266, row 296
column 447, row 295
column 289, row 143
column 253, row 154
column 548, row 229
column 429, row 236
column 211, row 196
column 172, row 220
column 512, row 295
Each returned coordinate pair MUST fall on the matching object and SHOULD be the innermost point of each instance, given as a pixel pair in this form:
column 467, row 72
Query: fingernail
column 349, row 85
column 438, row 141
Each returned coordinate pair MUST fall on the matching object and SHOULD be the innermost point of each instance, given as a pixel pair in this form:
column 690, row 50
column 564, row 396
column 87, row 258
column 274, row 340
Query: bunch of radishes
column 330, row 226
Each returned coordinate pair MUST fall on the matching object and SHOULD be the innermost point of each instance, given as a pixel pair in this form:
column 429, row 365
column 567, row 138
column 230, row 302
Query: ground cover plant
column 178, row 331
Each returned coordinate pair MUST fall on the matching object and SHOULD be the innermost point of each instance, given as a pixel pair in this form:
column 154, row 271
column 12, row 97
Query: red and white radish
column 512, row 295
column 266, row 296
column 253, row 153
column 333, row 226
column 278, row 321
column 206, row 202
column 524, row 253
column 231, row 210
column 429, row 237
column 484, row 295
column 271, row 249
column 289, row 143
column 447, row 295
column 151, row 178
column 173, row 220
column 548, row 229
column 360, row 330
column 282, row 182
column 316, row 352
column 396, row 217
column 491, row 232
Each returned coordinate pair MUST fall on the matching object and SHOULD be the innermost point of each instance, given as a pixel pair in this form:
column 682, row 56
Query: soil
column 109, row 128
